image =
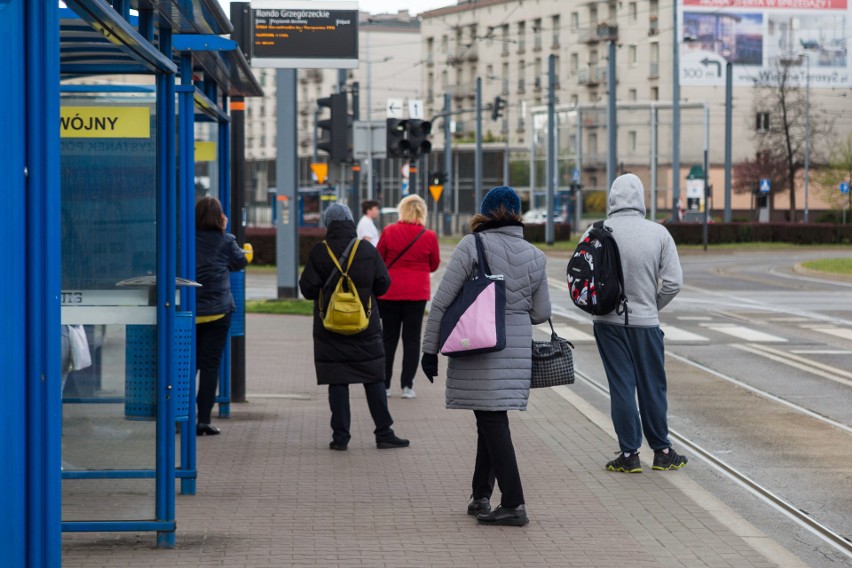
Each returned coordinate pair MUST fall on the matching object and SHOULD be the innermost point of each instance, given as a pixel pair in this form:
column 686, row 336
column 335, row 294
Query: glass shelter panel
column 108, row 176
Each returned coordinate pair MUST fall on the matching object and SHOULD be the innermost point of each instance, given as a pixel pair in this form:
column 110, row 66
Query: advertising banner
column 810, row 37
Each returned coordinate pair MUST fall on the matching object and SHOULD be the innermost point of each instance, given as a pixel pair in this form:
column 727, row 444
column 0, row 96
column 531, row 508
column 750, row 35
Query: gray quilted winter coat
column 498, row 380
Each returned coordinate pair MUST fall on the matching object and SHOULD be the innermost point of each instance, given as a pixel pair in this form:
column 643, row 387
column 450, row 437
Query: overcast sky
column 384, row 6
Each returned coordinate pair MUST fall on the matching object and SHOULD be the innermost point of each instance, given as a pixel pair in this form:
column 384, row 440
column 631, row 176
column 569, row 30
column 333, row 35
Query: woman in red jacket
column 411, row 253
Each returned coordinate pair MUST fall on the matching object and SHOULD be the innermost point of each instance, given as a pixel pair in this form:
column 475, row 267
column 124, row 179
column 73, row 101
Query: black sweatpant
column 405, row 316
column 341, row 417
column 210, row 341
column 495, row 458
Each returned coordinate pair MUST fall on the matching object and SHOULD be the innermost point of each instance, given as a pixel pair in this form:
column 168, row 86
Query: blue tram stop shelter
column 115, row 104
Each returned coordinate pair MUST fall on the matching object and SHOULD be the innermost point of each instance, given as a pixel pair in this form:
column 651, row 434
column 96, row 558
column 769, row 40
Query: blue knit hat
column 502, row 195
column 337, row 212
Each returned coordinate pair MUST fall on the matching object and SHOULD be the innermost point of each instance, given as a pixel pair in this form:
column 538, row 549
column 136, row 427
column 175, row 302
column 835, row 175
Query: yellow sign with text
column 436, row 191
column 205, row 151
column 104, row 122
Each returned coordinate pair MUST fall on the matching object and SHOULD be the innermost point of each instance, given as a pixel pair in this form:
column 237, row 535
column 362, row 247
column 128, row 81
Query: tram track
column 800, row 517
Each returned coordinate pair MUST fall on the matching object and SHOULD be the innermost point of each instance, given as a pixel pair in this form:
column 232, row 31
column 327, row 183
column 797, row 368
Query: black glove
column 429, row 364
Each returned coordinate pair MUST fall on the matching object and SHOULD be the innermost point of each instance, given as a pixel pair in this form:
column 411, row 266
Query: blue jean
column 634, row 361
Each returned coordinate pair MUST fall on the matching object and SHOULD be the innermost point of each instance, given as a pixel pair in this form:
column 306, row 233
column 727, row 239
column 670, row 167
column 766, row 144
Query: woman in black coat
column 217, row 254
column 342, row 360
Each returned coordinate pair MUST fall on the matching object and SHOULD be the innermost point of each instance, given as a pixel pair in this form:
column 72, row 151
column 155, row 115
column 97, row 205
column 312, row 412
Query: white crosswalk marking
column 677, row 334
column 744, row 333
column 570, row 333
column 842, row 332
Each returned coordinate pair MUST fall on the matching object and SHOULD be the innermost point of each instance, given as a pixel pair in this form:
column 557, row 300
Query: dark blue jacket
column 217, row 254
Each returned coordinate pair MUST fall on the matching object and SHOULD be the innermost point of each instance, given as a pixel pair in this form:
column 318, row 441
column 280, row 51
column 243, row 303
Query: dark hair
column 208, row 215
column 499, row 214
column 367, row 205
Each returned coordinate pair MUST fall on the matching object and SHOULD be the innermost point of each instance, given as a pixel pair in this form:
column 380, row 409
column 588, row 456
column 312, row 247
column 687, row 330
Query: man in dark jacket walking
column 634, row 355
column 341, row 360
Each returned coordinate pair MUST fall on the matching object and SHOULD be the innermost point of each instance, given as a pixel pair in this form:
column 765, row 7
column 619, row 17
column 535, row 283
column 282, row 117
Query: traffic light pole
column 551, row 149
column 477, row 163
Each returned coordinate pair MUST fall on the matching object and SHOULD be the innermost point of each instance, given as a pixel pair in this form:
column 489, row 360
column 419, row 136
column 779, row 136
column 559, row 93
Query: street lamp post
column 807, row 126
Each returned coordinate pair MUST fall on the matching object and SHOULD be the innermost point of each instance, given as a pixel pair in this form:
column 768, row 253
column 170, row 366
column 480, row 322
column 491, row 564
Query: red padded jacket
column 410, row 274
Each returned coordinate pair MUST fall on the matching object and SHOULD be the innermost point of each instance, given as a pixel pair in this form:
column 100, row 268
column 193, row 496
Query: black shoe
column 391, row 441
column 202, row 429
column 629, row 464
column 338, row 446
column 477, row 506
column 505, row 516
column 671, row 460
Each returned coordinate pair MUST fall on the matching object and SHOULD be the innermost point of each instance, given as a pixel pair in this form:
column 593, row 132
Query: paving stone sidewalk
column 271, row 493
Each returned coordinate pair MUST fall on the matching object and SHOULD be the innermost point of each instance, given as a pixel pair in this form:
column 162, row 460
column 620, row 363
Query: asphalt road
column 759, row 364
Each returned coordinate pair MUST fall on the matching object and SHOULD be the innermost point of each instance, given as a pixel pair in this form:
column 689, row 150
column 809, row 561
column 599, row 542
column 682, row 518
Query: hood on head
column 627, row 193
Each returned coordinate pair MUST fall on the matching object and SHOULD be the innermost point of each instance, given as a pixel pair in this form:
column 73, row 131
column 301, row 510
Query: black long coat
column 347, row 359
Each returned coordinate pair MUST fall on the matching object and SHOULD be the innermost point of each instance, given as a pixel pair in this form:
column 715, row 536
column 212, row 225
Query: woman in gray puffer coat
column 491, row 384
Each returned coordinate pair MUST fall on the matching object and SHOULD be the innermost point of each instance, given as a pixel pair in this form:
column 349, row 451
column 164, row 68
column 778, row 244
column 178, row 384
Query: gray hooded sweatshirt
column 652, row 272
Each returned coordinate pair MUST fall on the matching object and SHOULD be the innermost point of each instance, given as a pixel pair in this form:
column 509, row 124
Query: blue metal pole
column 43, row 284
column 224, row 145
column 166, row 261
column 186, row 192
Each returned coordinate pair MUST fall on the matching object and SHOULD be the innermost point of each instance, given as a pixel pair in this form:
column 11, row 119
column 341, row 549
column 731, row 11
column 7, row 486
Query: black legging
column 407, row 316
column 210, row 342
column 495, row 457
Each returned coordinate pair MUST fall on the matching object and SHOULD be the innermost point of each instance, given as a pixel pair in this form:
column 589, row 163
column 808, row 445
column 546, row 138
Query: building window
column 445, row 42
column 631, row 94
column 444, row 80
column 575, row 63
column 631, row 55
column 489, row 36
column 430, row 46
column 593, row 16
column 762, row 122
column 505, row 78
column 631, row 141
column 655, row 93
column 537, row 34
column 504, row 34
column 575, row 21
column 554, row 23
column 522, row 32
column 632, row 11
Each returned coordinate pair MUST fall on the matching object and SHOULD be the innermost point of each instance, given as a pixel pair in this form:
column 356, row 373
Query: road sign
column 764, row 185
column 404, row 189
column 415, row 109
column 394, row 108
column 844, row 187
column 436, row 190
column 320, row 172
column 575, row 175
column 361, row 132
column 405, row 170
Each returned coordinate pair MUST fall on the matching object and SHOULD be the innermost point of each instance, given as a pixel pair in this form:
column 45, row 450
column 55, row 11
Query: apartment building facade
column 507, row 44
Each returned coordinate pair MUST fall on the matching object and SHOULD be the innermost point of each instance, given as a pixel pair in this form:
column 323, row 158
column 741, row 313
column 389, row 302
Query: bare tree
column 764, row 165
column 781, row 95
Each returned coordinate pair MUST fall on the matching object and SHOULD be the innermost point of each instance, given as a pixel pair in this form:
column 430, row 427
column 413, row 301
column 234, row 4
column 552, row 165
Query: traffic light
column 334, row 131
column 497, row 108
column 437, row 178
column 397, row 145
column 418, row 132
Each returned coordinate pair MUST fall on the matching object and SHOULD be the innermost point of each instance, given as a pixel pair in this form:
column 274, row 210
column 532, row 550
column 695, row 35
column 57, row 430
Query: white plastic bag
column 81, row 357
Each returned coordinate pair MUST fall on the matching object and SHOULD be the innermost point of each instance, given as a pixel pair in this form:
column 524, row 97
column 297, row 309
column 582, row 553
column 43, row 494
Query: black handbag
column 552, row 362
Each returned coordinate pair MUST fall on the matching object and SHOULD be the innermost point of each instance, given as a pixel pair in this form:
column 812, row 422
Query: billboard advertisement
column 756, row 36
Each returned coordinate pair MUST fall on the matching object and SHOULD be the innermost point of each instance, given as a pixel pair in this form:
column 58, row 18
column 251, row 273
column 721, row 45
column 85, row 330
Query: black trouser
column 495, row 457
column 405, row 315
column 210, row 341
column 341, row 417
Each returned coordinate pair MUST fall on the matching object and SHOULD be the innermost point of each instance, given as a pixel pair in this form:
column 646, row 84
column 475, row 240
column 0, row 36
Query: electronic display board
column 304, row 35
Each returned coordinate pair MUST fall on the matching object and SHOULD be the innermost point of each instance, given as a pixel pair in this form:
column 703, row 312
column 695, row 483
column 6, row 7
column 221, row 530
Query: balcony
column 592, row 76
column 601, row 32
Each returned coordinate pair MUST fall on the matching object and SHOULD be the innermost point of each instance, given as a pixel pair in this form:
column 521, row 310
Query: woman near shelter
column 342, row 360
column 493, row 383
column 217, row 254
column 411, row 254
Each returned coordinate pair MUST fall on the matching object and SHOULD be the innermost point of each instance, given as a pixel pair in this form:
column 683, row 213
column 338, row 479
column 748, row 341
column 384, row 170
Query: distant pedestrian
column 634, row 355
column 217, row 254
column 493, row 383
column 411, row 254
column 342, row 360
column 367, row 224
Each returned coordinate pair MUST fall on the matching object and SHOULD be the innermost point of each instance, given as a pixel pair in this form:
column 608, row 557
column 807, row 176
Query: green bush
column 594, row 202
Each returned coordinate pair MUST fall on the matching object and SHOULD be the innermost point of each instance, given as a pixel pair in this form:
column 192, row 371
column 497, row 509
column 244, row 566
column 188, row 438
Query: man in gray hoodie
column 634, row 355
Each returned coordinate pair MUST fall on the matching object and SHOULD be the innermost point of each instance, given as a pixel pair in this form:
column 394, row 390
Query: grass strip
column 833, row 265
column 280, row 307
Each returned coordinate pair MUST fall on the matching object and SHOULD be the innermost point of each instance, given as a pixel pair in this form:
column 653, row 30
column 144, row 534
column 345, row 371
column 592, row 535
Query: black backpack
column 595, row 279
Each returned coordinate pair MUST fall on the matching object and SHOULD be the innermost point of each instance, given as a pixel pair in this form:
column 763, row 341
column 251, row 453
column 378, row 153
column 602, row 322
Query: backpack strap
column 621, row 308
column 405, row 250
